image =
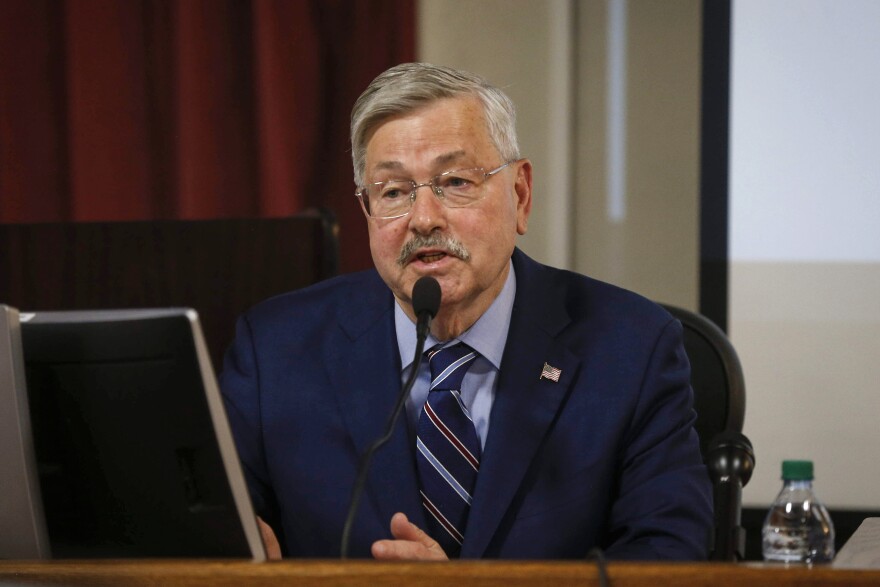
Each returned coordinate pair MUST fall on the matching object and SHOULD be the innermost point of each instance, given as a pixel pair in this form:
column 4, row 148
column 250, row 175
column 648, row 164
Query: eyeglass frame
column 435, row 189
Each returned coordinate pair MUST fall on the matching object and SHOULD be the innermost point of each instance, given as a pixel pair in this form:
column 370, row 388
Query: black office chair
column 720, row 402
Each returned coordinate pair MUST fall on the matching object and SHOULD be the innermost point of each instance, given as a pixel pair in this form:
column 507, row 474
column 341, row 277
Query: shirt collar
column 487, row 336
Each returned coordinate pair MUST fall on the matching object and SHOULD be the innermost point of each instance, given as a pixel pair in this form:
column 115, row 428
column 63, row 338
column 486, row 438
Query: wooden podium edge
column 333, row 573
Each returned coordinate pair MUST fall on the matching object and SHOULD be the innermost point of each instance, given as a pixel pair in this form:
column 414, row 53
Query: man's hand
column 410, row 543
column 273, row 549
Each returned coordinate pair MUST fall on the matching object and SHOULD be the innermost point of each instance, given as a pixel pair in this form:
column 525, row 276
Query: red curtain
column 142, row 109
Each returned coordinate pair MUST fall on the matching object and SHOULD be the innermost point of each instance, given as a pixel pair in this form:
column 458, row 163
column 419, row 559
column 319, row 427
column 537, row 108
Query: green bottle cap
column 797, row 470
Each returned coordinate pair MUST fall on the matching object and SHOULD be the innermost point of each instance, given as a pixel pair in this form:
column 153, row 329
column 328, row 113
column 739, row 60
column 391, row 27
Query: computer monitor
column 22, row 527
column 134, row 451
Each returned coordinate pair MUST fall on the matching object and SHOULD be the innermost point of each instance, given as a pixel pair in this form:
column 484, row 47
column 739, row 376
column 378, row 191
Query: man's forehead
column 442, row 159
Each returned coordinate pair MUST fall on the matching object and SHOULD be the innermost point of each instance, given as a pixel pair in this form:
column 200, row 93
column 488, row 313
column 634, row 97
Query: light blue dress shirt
column 487, row 336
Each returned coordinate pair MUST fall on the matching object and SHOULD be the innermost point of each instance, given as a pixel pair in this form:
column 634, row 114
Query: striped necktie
column 448, row 450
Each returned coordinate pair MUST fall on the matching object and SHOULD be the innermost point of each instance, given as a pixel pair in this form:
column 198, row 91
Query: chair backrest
column 720, row 402
column 716, row 377
column 218, row 267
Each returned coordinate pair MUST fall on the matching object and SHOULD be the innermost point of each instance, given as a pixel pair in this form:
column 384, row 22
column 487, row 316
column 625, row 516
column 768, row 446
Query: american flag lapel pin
column 551, row 373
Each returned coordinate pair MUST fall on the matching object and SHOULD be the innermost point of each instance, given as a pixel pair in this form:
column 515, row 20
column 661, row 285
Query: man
column 578, row 422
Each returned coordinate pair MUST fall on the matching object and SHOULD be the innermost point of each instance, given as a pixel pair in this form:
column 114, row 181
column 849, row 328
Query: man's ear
column 523, row 189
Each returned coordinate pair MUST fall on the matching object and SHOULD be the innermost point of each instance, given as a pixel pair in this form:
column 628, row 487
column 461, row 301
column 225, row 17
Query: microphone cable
column 599, row 556
column 426, row 303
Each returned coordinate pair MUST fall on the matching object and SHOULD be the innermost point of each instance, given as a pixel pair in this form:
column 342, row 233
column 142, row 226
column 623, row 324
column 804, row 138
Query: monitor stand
column 23, row 533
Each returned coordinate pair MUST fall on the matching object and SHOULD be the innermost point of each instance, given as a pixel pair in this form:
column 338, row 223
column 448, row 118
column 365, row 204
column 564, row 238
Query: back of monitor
column 135, row 454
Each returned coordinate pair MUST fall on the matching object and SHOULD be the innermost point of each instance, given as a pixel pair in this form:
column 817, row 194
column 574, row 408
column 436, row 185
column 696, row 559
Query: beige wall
column 807, row 336
column 653, row 248
column 523, row 47
column 550, row 57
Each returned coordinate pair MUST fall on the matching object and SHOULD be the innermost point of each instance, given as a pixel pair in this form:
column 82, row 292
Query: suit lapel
column 367, row 381
column 525, row 404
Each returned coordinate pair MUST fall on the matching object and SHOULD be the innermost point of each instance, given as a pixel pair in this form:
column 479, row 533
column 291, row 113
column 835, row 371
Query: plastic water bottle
column 798, row 528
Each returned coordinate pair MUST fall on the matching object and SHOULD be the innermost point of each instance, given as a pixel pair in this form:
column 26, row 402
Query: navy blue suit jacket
column 607, row 456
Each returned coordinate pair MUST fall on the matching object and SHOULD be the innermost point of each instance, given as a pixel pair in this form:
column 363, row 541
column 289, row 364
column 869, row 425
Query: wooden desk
column 458, row 574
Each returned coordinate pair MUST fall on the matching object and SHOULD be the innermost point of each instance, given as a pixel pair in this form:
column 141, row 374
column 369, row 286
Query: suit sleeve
column 663, row 508
column 240, row 386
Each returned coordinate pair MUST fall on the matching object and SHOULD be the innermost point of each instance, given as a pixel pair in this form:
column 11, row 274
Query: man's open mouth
column 430, row 257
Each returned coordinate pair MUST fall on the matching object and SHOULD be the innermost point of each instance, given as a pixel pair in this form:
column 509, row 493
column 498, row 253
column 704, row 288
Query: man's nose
column 428, row 212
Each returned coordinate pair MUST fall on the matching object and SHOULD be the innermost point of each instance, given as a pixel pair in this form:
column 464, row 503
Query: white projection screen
column 804, row 260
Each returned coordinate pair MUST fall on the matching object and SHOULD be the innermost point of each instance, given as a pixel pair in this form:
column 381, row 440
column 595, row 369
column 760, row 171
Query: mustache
column 447, row 244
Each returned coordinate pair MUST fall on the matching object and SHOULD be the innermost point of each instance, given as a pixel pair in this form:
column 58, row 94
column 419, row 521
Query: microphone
column 730, row 460
column 426, row 303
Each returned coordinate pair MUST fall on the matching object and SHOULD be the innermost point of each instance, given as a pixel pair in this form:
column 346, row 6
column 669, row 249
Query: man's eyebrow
column 392, row 165
column 446, row 158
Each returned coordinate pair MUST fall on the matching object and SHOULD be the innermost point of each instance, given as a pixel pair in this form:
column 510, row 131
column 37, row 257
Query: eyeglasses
column 394, row 198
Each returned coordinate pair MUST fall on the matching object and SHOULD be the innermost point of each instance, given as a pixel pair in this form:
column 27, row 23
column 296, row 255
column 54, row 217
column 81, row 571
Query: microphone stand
column 731, row 461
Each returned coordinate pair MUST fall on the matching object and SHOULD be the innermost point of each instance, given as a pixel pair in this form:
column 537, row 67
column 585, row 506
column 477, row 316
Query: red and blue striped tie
column 448, row 450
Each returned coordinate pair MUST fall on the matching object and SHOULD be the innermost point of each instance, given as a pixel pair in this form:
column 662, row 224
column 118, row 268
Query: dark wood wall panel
column 218, row 267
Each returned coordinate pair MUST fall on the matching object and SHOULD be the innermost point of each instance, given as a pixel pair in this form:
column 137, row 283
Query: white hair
column 409, row 86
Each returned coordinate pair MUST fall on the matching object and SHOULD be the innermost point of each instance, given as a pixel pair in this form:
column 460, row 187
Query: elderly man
column 553, row 414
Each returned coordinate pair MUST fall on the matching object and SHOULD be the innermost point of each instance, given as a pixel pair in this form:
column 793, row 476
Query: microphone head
column 426, row 296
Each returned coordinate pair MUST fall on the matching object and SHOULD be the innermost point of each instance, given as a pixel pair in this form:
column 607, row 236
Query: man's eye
column 391, row 193
column 456, row 182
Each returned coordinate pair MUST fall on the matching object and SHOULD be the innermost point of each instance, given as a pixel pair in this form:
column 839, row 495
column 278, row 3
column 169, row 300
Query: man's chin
column 401, row 284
